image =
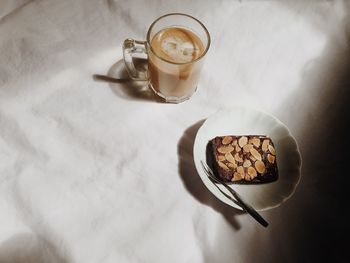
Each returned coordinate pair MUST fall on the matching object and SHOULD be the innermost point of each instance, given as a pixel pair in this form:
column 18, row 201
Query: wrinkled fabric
column 98, row 171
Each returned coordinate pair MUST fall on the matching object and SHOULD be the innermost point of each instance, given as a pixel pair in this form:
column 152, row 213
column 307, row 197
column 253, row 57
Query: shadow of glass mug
column 175, row 49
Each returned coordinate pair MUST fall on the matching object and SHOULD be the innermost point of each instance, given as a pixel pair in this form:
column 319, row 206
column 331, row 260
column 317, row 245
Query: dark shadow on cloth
column 323, row 145
column 28, row 248
column 125, row 87
column 314, row 223
column 193, row 182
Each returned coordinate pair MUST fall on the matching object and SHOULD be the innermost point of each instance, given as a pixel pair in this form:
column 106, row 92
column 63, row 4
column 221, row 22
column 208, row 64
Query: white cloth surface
column 91, row 172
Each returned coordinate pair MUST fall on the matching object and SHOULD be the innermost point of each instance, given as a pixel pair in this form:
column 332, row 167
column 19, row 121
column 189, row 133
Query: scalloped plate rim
column 209, row 184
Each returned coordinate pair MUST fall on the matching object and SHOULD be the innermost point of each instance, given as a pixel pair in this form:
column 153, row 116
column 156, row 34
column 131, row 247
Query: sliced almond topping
column 247, row 163
column 255, row 141
column 242, row 141
column 238, row 158
column 255, row 153
column 271, row 158
column 221, row 158
column 247, row 177
column 247, row 147
column 223, row 166
column 260, row 166
column 225, row 149
column 240, row 170
column 252, row 172
column 265, row 145
column 232, row 165
column 229, row 157
column 236, row 177
column 227, row 140
column 238, row 149
column 234, row 143
column 272, row 150
column 252, row 158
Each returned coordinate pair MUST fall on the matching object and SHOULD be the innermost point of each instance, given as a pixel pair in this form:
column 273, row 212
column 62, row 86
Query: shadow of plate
column 193, row 182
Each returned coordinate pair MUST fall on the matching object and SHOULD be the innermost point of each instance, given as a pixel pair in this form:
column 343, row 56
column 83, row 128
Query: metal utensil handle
column 249, row 209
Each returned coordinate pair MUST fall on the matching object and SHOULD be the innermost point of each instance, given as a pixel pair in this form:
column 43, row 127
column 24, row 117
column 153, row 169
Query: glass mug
column 175, row 48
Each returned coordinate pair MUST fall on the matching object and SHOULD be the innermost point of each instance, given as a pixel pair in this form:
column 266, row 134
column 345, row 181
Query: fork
column 237, row 198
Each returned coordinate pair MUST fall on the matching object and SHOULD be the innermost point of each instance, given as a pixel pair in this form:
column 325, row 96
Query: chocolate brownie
column 247, row 159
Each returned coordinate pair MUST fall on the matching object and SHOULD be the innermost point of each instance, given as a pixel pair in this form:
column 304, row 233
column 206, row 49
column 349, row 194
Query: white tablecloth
column 92, row 171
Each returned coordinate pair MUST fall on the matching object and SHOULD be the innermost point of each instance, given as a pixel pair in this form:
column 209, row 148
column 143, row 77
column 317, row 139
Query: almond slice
column 223, row 166
column 271, row 158
column 238, row 149
column 236, row 177
column 260, row 167
column 225, row 149
column 255, row 141
column 242, row 141
column 238, row 158
column 252, row 158
column 232, row 165
column 240, row 170
column 252, row 172
column 247, row 147
column 227, row 140
column 247, row 163
column 229, row 157
column 221, row 158
column 265, row 145
column 247, row 177
column 255, row 153
column 272, row 150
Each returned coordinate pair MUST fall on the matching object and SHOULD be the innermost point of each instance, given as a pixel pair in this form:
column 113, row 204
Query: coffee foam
column 177, row 45
column 177, row 49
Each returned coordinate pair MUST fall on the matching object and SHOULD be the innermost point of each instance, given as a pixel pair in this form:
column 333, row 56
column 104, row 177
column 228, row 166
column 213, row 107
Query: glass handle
column 135, row 58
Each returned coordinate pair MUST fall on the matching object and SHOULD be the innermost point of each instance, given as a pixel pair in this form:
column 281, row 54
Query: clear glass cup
column 172, row 80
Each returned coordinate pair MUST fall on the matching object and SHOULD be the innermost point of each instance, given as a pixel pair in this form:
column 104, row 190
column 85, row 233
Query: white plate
column 243, row 121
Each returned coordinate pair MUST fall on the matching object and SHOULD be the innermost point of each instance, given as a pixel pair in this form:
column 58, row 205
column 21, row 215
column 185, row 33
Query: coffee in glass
column 175, row 48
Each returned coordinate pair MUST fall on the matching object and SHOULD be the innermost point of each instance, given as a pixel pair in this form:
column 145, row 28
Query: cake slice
column 247, row 159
